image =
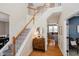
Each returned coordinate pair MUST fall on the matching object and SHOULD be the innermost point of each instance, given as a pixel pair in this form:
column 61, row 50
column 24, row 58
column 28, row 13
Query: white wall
column 68, row 10
column 17, row 16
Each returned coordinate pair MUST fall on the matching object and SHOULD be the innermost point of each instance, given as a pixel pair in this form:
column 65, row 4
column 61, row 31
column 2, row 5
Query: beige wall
column 4, row 28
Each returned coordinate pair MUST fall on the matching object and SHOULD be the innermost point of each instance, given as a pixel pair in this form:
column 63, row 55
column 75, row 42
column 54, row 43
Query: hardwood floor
column 52, row 51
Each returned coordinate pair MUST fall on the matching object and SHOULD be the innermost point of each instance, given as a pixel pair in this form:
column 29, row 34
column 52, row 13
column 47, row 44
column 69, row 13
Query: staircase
column 21, row 39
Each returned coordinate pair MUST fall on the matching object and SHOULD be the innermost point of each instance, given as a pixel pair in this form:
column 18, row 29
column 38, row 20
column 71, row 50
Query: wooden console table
column 39, row 44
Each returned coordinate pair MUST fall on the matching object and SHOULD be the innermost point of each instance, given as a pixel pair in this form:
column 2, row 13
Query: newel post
column 14, row 49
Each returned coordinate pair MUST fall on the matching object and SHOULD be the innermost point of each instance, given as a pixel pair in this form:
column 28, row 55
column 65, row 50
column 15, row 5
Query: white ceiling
column 54, row 18
column 55, row 15
column 4, row 17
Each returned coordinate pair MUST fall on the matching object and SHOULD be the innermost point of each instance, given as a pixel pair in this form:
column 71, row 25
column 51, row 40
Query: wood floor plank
column 52, row 51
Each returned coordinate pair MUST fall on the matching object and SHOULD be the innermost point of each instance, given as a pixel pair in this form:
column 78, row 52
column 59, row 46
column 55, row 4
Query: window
column 53, row 28
column 50, row 28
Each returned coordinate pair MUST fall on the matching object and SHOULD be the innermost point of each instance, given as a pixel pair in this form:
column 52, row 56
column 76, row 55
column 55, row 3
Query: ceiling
column 54, row 18
column 4, row 17
column 55, row 15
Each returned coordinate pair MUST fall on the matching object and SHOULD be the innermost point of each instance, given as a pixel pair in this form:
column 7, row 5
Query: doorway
column 4, row 29
column 73, row 36
column 52, row 34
